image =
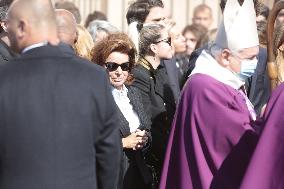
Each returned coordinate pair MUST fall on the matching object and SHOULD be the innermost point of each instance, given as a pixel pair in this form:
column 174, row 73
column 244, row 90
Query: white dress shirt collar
column 34, row 46
column 206, row 64
column 123, row 103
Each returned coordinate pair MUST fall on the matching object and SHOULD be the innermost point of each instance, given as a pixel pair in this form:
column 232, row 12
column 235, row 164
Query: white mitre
column 238, row 28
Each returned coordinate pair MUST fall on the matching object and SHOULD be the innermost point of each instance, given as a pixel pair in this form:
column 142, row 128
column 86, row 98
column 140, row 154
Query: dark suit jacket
column 58, row 123
column 5, row 53
column 156, row 93
column 259, row 85
column 173, row 77
column 66, row 49
column 134, row 172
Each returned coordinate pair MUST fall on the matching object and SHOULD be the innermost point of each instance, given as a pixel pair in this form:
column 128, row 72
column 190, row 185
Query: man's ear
column 22, row 28
column 225, row 57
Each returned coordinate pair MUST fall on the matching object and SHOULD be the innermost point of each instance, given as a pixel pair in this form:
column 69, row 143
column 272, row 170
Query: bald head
column 31, row 22
column 66, row 25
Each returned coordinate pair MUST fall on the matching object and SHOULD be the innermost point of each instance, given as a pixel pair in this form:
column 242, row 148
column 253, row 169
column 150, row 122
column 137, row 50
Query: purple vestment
column 266, row 169
column 211, row 120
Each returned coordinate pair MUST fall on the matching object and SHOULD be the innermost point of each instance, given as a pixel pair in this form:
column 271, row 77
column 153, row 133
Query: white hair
column 215, row 50
column 101, row 25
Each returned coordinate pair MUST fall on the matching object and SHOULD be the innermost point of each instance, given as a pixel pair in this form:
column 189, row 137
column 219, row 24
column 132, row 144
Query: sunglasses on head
column 112, row 66
column 167, row 40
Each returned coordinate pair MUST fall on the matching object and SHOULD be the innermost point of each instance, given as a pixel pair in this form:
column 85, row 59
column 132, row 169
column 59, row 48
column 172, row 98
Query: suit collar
column 44, row 51
column 68, row 49
column 6, row 52
column 34, row 46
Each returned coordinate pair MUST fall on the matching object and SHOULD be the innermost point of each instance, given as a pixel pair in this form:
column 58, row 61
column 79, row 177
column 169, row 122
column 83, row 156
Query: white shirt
column 34, row 46
column 206, row 64
column 123, row 102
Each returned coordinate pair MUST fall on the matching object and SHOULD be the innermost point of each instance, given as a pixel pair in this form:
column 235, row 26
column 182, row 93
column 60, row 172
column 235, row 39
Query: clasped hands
column 136, row 140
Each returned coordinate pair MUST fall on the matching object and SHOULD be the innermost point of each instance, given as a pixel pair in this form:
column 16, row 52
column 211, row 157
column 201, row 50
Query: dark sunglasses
column 168, row 40
column 112, row 66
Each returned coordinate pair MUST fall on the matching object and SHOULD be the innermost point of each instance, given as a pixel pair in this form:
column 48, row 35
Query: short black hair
column 139, row 10
column 153, row 3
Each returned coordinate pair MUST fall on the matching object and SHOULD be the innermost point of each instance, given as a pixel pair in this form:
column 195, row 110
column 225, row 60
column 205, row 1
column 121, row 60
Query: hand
column 145, row 135
column 132, row 141
column 136, row 140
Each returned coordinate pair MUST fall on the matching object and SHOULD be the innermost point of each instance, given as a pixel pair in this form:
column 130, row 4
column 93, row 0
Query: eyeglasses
column 168, row 40
column 112, row 66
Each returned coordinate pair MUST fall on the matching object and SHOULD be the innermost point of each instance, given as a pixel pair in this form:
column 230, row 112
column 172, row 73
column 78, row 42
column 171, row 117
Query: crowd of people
column 90, row 106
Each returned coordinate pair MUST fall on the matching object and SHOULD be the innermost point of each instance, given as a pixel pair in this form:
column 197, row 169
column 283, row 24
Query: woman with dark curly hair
column 117, row 54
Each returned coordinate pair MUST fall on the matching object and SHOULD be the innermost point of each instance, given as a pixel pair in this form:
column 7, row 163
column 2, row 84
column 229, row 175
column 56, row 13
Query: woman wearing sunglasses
column 157, row 96
column 116, row 54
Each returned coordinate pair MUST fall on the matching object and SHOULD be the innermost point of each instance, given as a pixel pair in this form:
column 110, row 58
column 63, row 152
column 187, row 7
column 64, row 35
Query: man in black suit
column 57, row 115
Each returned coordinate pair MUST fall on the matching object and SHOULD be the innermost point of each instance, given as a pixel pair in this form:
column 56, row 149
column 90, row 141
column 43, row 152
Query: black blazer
column 159, row 102
column 58, row 123
column 156, row 94
column 134, row 171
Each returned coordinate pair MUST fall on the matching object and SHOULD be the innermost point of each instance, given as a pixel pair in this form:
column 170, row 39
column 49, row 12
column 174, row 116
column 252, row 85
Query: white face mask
column 248, row 68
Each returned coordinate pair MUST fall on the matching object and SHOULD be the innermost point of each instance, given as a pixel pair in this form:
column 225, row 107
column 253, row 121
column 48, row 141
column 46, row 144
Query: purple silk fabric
column 266, row 169
column 210, row 120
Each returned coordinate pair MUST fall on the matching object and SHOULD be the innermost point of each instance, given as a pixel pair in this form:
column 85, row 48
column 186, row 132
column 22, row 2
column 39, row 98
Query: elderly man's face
column 248, row 54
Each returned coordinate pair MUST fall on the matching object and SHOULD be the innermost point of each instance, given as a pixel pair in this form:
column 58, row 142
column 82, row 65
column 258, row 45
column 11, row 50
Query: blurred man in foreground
column 58, row 118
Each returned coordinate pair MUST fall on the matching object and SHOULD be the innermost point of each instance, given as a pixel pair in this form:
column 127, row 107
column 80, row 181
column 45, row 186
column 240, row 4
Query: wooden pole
column 271, row 65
